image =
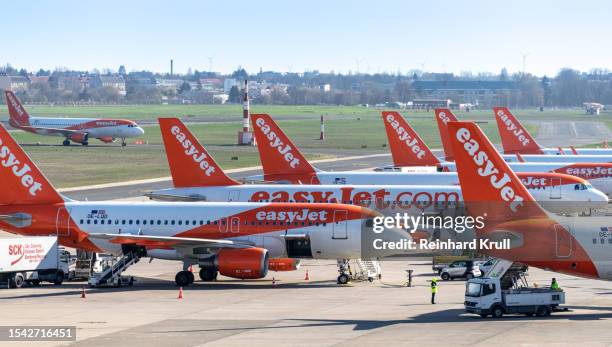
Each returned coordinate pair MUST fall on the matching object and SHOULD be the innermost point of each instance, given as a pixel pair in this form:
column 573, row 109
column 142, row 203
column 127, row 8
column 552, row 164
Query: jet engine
column 243, row 263
column 79, row 137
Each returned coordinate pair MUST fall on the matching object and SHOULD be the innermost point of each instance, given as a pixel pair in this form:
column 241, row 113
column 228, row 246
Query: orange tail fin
column 515, row 138
column 489, row 187
column 21, row 182
column 190, row 164
column 280, row 158
column 18, row 116
column 443, row 116
column 407, row 147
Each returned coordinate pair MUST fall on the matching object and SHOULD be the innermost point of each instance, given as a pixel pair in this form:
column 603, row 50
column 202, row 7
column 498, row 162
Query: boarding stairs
column 366, row 270
column 511, row 274
column 112, row 270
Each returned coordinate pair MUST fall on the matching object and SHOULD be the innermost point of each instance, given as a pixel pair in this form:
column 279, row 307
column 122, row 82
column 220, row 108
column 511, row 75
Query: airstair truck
column 32, row 260
column 504, row 290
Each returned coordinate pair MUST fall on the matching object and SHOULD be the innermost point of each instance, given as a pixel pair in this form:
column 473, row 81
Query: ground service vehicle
column 507, row 292
column 32, row 260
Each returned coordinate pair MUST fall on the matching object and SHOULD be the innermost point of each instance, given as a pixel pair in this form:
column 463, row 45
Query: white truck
column 32, row 260
column 504, row 290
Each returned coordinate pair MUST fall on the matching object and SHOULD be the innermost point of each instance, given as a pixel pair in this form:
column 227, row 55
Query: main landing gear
column 343, row 266
column 184, row 278
column 123, row 143
column 66, row 142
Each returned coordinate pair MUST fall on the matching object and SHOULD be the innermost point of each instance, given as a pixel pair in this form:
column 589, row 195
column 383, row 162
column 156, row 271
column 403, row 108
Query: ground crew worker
column 554, row 285
column 434, row 290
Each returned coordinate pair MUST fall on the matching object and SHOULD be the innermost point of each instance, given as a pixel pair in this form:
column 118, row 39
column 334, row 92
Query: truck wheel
column 19, row 281
column 59, row 278
column 497, row 312
column 445, row 276
column 543, row 311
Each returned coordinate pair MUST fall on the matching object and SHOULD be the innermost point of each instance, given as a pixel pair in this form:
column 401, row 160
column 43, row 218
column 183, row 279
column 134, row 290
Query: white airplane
column 79, row 130
column 239, row 240
column 517, row 140
column 598, row 174
column 573, row 245
column 282, row 161
column 445, row 115
column 204, row 180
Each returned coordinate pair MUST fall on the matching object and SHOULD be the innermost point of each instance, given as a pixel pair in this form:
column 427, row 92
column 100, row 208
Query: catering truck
column 32, row 260
column 504, row 290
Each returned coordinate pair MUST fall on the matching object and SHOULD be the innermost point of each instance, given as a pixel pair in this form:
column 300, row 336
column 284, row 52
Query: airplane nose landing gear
column 343, row 266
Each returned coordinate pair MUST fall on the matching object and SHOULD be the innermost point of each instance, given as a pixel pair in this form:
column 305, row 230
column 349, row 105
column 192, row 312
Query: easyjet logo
column 589, row 172
column 285, row 150
column 513, row 128
column 530, row 181
column 192, row 151
column 15, row 105
column 381, row 197
column 486, row 168
column 443, row 117
column 15, row 250
column 292, row 216
column 406, row 137
column 20, row 171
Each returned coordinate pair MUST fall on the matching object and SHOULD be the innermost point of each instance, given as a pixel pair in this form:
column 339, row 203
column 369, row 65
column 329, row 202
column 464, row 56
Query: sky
column 296, row 36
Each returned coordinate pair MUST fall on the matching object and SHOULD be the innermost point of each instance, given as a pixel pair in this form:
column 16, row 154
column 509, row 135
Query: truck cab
column 507, row 292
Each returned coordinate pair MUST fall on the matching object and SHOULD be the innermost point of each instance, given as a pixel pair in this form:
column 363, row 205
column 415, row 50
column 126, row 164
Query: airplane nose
column 139, row 131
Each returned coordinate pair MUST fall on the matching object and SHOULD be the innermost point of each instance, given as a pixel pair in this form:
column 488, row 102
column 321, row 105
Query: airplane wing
column 169, row 241
column 52, row 131
column 170, row 197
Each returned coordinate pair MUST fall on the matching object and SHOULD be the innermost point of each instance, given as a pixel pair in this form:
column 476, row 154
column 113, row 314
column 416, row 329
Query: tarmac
column 302, row 312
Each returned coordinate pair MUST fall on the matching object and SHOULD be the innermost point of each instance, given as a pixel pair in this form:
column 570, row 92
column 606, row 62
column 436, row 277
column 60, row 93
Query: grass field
column 350, row 128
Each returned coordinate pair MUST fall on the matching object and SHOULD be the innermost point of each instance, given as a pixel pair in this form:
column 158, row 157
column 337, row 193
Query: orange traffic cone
column 306, row 278
column 180, row 293
column 83, row 296
column 273, row 283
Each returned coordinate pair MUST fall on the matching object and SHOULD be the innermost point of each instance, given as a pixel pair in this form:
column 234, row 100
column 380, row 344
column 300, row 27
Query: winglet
column 407, row 147
column 280, row 158
column 488, row 185
column 18, row 116
column 574, row 151
column 515, row 138
column 443, row 116
column 21, row 182
column 520, row 158
column 190, row 164
column 561, row 151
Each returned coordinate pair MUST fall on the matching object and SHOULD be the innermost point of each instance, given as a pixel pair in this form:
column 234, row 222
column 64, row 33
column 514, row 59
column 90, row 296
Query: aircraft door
column 340, row 225
column 555, row 188
column 62, row 222
column 233, row 195
column 563, row 241
column 235, row 225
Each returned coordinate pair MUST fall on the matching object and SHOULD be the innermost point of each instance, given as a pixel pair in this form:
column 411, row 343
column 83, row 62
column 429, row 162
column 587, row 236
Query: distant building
column 325, row 88
column 169, row 84
column 14, row 83
column 475, row 92
column 114, row 82
column 211, row 84
column 228, row 83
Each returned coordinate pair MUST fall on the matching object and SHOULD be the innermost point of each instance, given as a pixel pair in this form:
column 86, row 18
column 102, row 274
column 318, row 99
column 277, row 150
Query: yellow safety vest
column 434, row 287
